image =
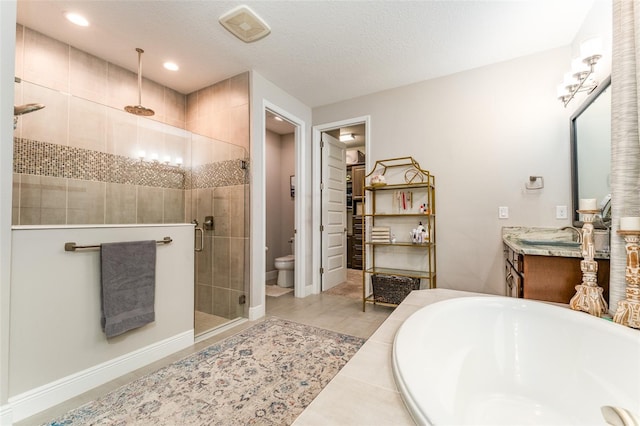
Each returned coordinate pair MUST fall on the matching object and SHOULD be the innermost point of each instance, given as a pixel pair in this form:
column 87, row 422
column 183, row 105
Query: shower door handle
column 196, row 248
column 196, row 230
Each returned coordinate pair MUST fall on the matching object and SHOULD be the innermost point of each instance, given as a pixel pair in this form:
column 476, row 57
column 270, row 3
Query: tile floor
column 336, row 313
column 205, row 322
column 364, row 392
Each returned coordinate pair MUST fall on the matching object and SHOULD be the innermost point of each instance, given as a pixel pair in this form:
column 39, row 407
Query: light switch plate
column 561, row 212
column 503, row 212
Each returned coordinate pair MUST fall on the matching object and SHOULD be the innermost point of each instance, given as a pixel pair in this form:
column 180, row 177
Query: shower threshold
column 214, row 326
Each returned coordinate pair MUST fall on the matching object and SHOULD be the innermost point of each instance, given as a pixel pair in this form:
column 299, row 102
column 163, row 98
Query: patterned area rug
column 266, row 375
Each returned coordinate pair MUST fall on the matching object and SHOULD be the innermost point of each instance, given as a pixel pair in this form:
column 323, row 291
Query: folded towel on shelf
column 128, row 279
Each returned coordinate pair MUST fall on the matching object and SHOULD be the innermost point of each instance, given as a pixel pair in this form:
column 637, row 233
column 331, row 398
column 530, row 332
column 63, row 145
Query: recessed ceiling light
column 171, row 66
column 347, row 137
column 77, row 19
column 275, row 117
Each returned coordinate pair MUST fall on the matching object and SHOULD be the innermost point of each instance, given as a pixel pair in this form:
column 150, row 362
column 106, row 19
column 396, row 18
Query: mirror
column 590, row 134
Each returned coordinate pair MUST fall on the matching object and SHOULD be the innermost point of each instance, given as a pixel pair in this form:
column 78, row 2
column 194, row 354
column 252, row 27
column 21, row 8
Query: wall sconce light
column 579, row 78
column 347, row 137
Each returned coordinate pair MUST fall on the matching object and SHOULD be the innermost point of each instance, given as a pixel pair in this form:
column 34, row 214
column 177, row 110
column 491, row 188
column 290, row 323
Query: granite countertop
column 527, row 240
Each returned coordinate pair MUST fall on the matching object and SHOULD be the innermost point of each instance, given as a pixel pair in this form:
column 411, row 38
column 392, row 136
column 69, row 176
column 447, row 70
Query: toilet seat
column 285, row 262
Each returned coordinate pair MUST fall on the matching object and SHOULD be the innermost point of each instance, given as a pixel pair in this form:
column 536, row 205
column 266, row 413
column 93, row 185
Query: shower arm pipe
column 140, row 52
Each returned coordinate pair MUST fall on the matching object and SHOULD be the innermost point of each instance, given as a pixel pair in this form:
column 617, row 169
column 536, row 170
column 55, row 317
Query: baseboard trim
column 41, row 398
column 271, row 275
column 257, row 312
column 6, row 414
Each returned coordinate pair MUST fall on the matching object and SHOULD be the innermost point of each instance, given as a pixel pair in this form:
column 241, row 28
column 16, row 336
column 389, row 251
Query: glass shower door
column 218, row 194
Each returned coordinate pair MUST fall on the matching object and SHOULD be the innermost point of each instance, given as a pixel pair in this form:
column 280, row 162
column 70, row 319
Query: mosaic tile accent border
column 223, row 173
column 47, row 159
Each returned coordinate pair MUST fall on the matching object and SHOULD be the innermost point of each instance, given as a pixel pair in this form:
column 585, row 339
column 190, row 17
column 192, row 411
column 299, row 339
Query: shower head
column 139, row 109
column 26, row 109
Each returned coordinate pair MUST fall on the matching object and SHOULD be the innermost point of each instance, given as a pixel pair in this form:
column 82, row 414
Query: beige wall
column 287, row 208
column 280, row 165
column 481, row 133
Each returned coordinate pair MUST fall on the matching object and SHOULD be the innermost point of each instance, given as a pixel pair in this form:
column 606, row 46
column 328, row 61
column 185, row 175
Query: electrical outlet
column 503, row 212
column 561, row 212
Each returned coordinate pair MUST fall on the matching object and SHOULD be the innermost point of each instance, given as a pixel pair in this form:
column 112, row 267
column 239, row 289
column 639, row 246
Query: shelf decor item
column 398, row 262
column 588, row 297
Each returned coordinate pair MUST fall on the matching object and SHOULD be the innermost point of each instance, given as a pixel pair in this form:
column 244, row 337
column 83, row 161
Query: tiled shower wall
column 77, row 160
column 221, row 112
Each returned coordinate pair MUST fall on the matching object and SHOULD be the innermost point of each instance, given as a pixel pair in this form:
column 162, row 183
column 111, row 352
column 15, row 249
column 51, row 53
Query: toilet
column 285, row 265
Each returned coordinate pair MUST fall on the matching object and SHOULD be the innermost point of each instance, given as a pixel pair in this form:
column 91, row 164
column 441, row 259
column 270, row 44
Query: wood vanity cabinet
column 548, row 278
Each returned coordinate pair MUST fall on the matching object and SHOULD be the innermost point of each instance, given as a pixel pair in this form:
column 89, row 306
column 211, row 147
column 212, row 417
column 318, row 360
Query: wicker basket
column 392, row 288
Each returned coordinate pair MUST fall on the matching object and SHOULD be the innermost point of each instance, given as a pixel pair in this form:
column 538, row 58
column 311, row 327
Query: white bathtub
column 499, row 360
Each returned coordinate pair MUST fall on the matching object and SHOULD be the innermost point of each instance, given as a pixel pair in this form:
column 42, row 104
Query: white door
column 334, row 214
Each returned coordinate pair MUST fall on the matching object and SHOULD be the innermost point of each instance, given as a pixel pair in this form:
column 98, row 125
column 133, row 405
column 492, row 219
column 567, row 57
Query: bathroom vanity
column 544, row 264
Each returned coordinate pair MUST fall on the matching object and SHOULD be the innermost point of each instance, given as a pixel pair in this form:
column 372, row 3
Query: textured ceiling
column 318, row 51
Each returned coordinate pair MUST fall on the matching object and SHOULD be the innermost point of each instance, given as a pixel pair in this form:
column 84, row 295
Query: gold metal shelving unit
column 385, row 208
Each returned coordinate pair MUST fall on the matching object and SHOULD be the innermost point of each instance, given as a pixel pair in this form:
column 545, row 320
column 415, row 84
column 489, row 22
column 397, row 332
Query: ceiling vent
column 243, row 23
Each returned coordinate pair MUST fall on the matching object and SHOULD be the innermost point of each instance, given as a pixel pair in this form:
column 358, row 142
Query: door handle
column 196, row 248
column 195, row 230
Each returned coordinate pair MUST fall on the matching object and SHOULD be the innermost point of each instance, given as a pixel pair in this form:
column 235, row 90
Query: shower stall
column 85, row 162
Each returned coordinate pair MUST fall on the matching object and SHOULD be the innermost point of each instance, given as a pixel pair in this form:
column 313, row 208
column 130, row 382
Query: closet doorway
column 354, row 136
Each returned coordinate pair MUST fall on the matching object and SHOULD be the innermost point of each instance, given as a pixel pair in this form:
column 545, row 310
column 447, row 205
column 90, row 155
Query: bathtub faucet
column 576, row 230
column 618, row 416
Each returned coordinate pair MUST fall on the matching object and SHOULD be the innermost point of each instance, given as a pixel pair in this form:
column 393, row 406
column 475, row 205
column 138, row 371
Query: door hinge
column 321, row 228
column 321, row 144
column 321, row 186
column 321, row 271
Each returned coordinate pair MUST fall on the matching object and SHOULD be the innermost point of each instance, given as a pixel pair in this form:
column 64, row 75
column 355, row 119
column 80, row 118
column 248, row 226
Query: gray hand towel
column 128, row 278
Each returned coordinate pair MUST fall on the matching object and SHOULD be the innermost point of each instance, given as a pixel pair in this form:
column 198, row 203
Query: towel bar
column 73, row 247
